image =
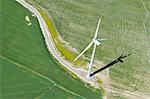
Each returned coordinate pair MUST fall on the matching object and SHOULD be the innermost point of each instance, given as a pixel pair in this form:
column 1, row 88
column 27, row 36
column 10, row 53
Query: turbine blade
column 96, row 32
column 102, row 39
column 84, row 50
column 91, row 62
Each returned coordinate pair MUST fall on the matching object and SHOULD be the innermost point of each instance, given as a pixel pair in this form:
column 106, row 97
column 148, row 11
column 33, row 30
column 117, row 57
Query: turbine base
column 88, row 76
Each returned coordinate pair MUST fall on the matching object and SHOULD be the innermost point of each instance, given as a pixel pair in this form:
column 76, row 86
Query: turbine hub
column 96, row 42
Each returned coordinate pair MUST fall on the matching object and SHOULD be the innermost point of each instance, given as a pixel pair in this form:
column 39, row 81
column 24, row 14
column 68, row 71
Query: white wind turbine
column 94, row 42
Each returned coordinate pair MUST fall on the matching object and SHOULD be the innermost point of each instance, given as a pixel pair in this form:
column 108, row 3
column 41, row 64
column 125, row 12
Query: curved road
column 81, row 73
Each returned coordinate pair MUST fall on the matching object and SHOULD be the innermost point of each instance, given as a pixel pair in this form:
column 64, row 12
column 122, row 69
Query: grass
column 123, row 22
column 27, row 69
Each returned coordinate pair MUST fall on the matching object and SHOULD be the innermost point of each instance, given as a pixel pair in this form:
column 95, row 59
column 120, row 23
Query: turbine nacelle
column 96, row 42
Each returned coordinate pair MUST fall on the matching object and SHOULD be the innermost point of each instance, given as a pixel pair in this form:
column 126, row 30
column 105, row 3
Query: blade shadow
column 119, row 59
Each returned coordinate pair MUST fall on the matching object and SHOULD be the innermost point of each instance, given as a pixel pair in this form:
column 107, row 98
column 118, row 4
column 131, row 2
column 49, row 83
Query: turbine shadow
column 119, row 59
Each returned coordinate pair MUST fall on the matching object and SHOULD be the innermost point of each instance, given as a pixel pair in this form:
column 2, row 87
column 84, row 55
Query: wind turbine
column 95, row 42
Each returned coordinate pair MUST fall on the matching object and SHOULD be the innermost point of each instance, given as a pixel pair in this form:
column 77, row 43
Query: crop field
column 27, row 70
column 126, row 25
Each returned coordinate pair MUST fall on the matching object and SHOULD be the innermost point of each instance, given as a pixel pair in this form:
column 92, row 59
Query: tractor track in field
column 144, row 25
column 81, row 73
column 40, row 75
column 129, row 94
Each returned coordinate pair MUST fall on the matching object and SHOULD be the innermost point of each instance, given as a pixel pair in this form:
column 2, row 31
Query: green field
column 27, row 69
column 125, row 23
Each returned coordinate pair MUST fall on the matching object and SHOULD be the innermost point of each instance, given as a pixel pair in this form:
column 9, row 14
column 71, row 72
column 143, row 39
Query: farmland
column 27, row 70
column 125, row 23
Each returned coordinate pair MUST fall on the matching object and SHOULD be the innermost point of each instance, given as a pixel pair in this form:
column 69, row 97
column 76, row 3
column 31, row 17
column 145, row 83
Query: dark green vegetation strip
column 27, row 69
column 125, row 22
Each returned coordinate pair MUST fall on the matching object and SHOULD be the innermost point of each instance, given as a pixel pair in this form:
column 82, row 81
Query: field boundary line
column 40, row 75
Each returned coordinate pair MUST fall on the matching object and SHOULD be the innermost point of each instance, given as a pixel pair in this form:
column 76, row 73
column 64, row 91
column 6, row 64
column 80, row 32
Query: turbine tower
column 95, row 42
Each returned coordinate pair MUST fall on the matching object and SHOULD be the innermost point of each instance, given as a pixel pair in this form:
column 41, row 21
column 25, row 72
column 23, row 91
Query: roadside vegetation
column 62, row 47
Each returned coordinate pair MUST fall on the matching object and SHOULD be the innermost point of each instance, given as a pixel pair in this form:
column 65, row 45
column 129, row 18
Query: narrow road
column 81, row 73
